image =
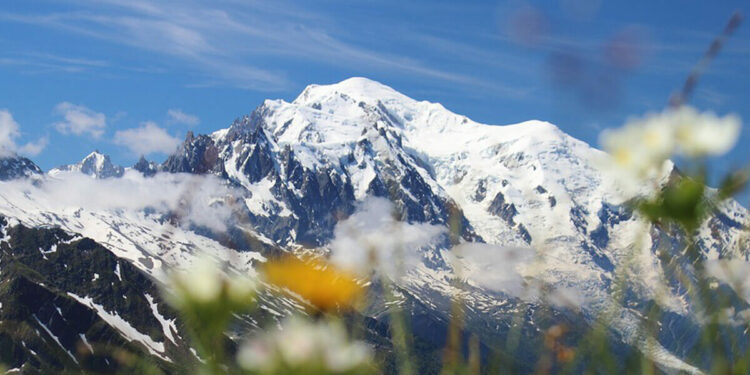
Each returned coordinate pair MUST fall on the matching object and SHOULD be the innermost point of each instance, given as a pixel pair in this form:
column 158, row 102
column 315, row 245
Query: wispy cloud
column 80, row 120
column 234, row 47
column 712, row 97
column 175, row 30
column 46, row 63
column 177, row 116
column 259, row 45
column 74, row 61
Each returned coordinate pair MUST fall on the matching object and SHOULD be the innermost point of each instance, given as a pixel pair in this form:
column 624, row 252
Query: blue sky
column 129, row 76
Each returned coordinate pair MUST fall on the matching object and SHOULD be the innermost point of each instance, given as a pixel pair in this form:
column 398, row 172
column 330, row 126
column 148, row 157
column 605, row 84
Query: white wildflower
column 704, row 134
column 640, row 150
column 256, row 355
column 339, row 354
column 240, row 288
column 658, row 137
column 641, row 146
column 202, row 282
column 304, row 344
column 341, row 359
column 205, row 282
column 298, row 344
column 732, row 272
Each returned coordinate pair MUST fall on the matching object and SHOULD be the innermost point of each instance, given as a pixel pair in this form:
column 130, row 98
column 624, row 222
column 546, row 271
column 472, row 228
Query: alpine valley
column 518, row 221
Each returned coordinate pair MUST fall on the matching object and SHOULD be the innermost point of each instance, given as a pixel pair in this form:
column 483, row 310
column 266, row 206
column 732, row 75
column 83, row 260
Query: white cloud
column 80, row 120
column 371, row 237
column 177, row 116
column 33, row 148
column 568, row 297
column 147, row 139
column 9, row 131
column 203, row 200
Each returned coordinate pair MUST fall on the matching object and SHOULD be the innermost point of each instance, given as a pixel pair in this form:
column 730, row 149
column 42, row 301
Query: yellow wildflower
column 323, row 285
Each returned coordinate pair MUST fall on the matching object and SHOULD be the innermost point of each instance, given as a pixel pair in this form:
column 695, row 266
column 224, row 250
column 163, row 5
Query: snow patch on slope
column 116, row 321
column 168, row 326
column 127, row 215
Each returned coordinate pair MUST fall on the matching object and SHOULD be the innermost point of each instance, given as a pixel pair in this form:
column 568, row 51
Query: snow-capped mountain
column 14, row 167
column 95, row 164
column 308, row 162
column 529, row 206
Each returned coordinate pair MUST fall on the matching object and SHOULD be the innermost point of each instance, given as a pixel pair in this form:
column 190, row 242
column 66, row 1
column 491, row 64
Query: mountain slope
column 540, row 223
column 68, row 303
column 527, row 185
column 15, row 167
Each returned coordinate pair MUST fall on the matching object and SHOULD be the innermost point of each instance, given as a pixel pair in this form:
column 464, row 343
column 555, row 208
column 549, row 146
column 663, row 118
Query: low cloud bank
column 201, row 200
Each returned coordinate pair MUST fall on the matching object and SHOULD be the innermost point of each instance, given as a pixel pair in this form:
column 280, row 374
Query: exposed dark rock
column 147, row 168
column 196, row 155
column 481, row 192
column 15, row 167
column 507, row 211
column 578, row 217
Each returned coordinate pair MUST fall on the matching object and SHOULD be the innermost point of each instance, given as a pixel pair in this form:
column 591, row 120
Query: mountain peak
column 362, row 84
column 343, row 112
column 147, row 168
column 95, row 156
column 95, row 164
column 357, row 88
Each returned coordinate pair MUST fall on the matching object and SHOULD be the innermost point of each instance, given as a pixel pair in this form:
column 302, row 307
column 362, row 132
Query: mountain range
column 525, row 218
